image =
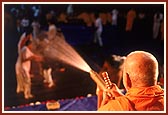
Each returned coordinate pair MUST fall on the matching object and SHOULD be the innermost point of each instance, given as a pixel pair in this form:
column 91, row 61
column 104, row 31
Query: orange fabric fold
column 140, row 99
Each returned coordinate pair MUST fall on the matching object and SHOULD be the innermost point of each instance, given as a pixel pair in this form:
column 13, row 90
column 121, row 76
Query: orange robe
column 139, row 99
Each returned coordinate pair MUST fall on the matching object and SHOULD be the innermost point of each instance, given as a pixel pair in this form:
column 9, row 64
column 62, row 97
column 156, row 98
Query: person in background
column 70, row 10
column 52, row 31
column 18, row 68
column 114, row 17
column 36, row 28
column 157, row 19
column 131, row 15
column 47, row 73
column 26, row 56
column 113, row 65
column 140, row 76
column 98, row 31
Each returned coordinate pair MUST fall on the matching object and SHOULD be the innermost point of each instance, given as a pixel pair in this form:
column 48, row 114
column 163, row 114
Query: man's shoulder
column 121, row 103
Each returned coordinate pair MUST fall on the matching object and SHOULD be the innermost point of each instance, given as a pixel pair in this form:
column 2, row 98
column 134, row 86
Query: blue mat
column 77, row 104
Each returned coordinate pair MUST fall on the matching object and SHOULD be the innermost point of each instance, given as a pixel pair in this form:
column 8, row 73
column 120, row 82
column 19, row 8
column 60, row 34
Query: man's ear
column 127, row 82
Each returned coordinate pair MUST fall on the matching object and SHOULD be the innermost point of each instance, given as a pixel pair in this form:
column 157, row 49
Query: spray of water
column 59, row 49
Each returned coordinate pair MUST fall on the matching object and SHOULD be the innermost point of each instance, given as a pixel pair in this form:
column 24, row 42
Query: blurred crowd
column 29, row 15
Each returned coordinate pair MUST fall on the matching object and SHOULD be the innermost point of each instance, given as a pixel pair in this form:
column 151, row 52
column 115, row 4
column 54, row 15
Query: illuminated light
column 89, row 95
column 31, row 104
column 59, row 50
column 37, row 103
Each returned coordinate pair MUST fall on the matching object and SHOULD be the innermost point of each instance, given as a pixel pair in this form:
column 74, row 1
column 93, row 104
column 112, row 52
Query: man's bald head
column 142, row 68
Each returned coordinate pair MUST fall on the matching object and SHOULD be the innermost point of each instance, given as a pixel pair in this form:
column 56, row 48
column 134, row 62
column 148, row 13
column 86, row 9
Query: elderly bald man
column 140, row 81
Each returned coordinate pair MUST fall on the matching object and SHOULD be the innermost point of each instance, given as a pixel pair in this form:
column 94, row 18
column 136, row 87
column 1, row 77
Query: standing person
column 98, row 31
column 26, row 56
column 36, row 28
column 114, row 17
column 140, row 80
column 47, row 73
column 158, row 17
column 131, row 15
column 52, row 31
column 70, row 10
column 18, row 68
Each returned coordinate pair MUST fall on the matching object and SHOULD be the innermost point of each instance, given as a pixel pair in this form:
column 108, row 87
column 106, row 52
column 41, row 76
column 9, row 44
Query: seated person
column 140, row 81
column 113, row 65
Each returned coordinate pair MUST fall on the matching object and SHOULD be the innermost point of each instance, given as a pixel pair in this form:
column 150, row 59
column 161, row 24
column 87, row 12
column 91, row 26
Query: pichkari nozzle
column 98, row 79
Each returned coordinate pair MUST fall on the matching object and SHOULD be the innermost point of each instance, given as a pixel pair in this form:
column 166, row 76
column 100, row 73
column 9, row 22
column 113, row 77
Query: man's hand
column 105, row 96
column 115, row 91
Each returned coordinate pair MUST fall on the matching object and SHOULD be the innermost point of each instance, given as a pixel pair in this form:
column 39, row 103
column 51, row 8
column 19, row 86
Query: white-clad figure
column 24, row 37
column 70, row 10
column 99, row 29
column 26, row 56
column 36, row 28
column 114, row 16
column 18, row 67
column 19, row 78
column 158, row 17
column 52, row 31
column 48, row 77
column 26, row 64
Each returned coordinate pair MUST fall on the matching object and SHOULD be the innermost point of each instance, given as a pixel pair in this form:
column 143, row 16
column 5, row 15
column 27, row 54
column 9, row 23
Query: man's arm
column 105, row 96
column 27, row 55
